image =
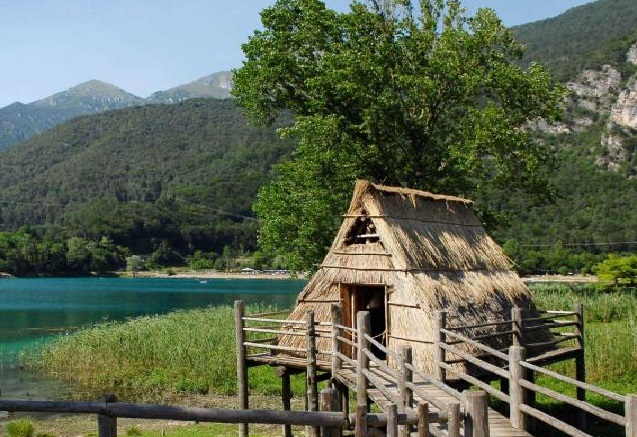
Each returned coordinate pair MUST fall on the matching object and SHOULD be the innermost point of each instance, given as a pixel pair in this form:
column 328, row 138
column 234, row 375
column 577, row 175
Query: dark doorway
column 361, row 297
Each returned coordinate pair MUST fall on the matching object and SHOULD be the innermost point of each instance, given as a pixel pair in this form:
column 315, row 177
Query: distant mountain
column 583, row 37
column 185, row 172
column 19, row 121
column 217, row 85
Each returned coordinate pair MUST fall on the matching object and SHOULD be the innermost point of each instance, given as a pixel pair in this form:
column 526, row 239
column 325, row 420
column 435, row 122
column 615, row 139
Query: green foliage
column 186, row 174
column 134, row 431
column 551, row 259
column 25, row 252
column 201, row 260
column 594, row 207
column 618, row 270
column 20, row 428
column 429, row 99
column 135, row 263
column 564, row 43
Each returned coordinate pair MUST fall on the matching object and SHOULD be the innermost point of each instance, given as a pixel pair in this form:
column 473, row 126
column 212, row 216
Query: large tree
column 418, row 95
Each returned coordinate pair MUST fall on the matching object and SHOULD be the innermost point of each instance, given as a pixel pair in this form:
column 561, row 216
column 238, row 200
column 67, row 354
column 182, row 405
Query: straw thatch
column 432, row 253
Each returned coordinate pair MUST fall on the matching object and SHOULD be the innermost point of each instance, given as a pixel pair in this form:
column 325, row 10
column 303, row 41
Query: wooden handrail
column 281, row 321
column 476, row 361
column 592, row 409
column 551, row 420
column 274, row 331
column 481, row 346
column 575, row 382
column 478, row 383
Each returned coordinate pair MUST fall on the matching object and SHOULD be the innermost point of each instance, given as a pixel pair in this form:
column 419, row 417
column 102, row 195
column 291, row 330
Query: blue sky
column 147, row 45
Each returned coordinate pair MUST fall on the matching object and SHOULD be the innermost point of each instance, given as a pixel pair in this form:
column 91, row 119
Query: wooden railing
column 518, row 371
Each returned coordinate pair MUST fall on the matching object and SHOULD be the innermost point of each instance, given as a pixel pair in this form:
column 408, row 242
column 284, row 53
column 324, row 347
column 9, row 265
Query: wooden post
column 423, row 419
column 242, row 368
column 517, row 392
column 312, row 386
column 453, row 423
column 330, row 402
column 362, row 327
column 476, row 414
column 440, row 322
column 405, row 378
column 336, row 332
column 392, row 421
column 361, row 421
column 580, row 363
column 631, row 416
column 516, row 326
column 107, row 425
column 286, row 396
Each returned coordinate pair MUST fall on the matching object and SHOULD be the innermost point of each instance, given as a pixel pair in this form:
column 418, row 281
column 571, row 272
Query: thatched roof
column 432, row 253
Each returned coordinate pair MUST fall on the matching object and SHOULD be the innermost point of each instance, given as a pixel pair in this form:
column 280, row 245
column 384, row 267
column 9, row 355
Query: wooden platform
column 499, row 425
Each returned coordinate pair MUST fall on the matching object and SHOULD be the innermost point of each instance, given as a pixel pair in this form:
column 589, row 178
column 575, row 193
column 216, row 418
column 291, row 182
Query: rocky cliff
column 602, row 105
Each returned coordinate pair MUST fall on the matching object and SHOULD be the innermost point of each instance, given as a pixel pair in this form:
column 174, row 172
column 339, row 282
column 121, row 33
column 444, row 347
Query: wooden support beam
column 242, row 368
column 580, row 362
column 392, row 420
column 453, row 421
column 330, row 402
column 336, row 332
column 517, row 392
column 363, row 326
column 286, row 397
column 312, row 384
column 361, row 421
column 422, row 412
column 631, row 416
column 440, row 323
column 476, row 414
column 106, row 424
column 405, row 379
column 516, row 317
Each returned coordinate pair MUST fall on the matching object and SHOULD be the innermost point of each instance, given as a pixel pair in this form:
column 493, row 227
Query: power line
column 613, row 243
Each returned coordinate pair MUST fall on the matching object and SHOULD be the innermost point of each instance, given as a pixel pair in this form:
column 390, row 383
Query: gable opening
column 363, row 231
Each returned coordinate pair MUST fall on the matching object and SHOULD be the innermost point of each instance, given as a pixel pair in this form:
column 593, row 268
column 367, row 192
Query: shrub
column 20, row 428
column 617, row 270
column 202, row 261
column 133, row 431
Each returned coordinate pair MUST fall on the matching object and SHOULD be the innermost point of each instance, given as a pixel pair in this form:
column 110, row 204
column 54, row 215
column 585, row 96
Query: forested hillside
column 183, row 173
column 587, row 36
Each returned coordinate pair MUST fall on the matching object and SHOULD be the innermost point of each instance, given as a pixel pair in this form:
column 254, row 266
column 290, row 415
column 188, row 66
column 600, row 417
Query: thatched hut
column 413, row 252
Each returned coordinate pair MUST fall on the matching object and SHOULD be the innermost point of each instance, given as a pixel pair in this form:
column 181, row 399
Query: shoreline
column 207, row 274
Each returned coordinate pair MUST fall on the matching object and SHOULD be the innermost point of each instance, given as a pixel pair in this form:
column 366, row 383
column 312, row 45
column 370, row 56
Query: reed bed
column 163, row 357
column 152, row 358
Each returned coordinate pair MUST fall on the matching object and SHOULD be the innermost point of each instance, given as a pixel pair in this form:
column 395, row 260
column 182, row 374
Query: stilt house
column 403, row 254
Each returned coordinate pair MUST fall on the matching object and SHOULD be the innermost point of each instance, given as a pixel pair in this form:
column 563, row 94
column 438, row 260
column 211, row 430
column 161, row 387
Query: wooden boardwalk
column 499, row 425
column 425, row 404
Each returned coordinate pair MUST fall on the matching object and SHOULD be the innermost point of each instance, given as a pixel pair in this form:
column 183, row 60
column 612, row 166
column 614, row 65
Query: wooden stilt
column 423, row 419
column 312, row 385
column 286, row 396
column 580, row 363
column 242, row 369
column 329, row 401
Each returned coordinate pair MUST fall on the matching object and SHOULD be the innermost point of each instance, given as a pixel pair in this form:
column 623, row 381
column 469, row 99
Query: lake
column 33, row 311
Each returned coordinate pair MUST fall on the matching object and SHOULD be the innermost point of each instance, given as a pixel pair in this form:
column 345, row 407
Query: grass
column 217, row 430
column 153, row 358
column 150, row 358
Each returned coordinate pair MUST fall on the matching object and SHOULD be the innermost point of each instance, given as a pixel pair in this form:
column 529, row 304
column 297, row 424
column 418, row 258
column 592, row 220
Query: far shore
column 207, row 274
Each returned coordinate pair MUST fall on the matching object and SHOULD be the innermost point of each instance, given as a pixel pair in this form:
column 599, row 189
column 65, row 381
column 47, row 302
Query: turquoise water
column 33, row 311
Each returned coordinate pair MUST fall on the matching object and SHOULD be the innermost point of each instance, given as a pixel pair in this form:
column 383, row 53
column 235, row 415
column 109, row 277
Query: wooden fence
column 517, row 371
column 395, row 384
column 394, row 389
